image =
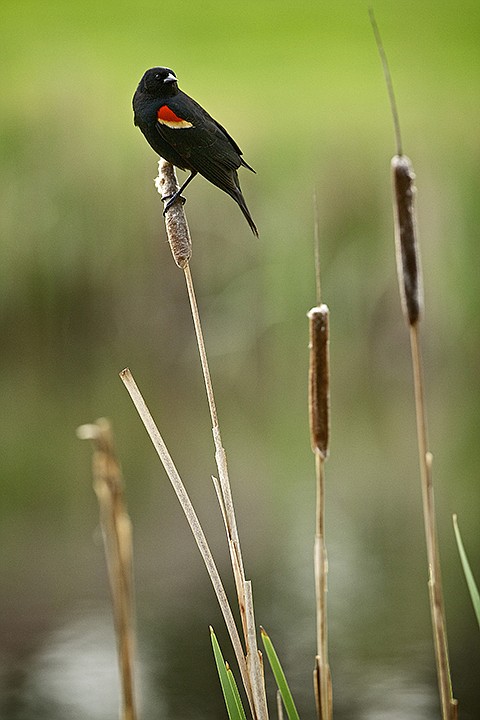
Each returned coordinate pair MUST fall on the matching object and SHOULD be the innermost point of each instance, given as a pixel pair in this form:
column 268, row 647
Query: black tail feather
column 238, row 197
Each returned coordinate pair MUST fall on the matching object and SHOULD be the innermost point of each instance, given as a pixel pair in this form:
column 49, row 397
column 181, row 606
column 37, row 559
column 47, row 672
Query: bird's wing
column 203, row 143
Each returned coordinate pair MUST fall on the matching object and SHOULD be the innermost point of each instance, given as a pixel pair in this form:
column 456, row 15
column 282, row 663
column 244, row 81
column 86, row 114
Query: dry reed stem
column 117, row 538
column 226, row 506
column 411, row 293
column 437, row 607
column 319, row 416
column 322, row 669
column 279, row 705
column 318, row 677
column 254, row 662
column 193, row 521
column 166, row 181
column 322, row 680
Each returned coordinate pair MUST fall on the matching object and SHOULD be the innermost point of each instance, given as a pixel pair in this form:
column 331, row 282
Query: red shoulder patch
column 166, row 116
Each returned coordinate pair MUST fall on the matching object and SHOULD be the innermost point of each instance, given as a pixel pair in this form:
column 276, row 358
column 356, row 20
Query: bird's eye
column 157, row 76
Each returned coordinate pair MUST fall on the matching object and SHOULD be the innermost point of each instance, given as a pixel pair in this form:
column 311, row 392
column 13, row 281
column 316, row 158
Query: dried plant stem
column 228, row 512
column 201, row 346
column 220, row 455
column 254, row 657
column 411, row 293
column 193, row 521
column 319, row 416
column 449, row 704
column 117, row 537
column 322, row 677
column 279, row 706
column 179, row 239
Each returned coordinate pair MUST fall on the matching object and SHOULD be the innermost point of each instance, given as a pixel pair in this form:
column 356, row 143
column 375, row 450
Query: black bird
column 184, row 134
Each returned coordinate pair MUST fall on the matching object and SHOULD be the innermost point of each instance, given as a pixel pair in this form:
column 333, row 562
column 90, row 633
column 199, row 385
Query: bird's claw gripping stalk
column 171, row 200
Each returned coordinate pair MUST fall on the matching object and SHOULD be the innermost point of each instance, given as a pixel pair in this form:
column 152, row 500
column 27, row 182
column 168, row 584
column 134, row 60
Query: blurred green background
column 87, row 286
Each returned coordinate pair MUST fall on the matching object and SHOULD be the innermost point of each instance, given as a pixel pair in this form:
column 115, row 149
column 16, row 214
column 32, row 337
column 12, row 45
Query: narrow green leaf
column 238, row 700
column 472, row 586
column 227, row 681
column 280, row 677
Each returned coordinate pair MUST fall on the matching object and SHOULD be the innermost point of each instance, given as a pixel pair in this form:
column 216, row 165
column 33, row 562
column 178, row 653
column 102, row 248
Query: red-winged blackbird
column 184, row 134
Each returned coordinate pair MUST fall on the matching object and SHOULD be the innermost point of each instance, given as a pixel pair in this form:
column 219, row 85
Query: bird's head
column 159, row 81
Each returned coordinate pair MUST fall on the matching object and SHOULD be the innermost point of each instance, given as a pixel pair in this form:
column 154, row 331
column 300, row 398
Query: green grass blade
column 472, row 586
column 227, row 681
column 280, row 677
column 233, row 684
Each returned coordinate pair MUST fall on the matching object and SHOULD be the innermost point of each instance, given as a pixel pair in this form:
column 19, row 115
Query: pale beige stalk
column 319, row 416
column 411, row 292
column 192, row 519
column 251, row 669
column 117, row 538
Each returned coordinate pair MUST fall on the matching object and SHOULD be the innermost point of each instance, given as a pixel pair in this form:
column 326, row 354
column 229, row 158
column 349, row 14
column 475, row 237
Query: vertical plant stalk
column 319, row 415
column 228, row 511
column 437, row 606
column 178, row 236
column 279, row 706
column 226, row 503
column 254, row 656
column 410, row 281
column 411, row 292
column 319, row 412
column 193, row 521
column 117, row 538
column 181, row 251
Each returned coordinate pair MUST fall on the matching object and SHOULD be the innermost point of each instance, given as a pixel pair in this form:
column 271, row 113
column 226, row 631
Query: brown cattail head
column 408, row 259
column 319, row 380
column 176, row 224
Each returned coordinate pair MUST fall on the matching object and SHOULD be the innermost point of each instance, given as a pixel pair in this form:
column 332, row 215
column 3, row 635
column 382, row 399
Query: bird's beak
column 170, row 78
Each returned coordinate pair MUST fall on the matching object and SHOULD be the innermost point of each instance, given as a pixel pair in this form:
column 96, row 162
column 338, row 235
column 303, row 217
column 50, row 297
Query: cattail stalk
column 410, row 281
column 319, row 413
column 319, row 416
column 411, row 293
column 117, row 538
column 251, row 669
column 193, row 521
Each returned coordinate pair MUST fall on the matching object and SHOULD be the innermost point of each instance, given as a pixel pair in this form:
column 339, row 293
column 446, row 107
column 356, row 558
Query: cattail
column 176, row 224
column 411, row 292
column 408, row 259
column 319, row 380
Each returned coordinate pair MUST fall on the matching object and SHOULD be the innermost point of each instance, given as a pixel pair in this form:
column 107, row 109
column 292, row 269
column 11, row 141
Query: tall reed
column 411, row 293
column 319, row 416
column 117, row 538
column 248, row 656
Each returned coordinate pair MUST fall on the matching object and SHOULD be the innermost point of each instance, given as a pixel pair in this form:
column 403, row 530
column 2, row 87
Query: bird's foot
column 171, row 200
